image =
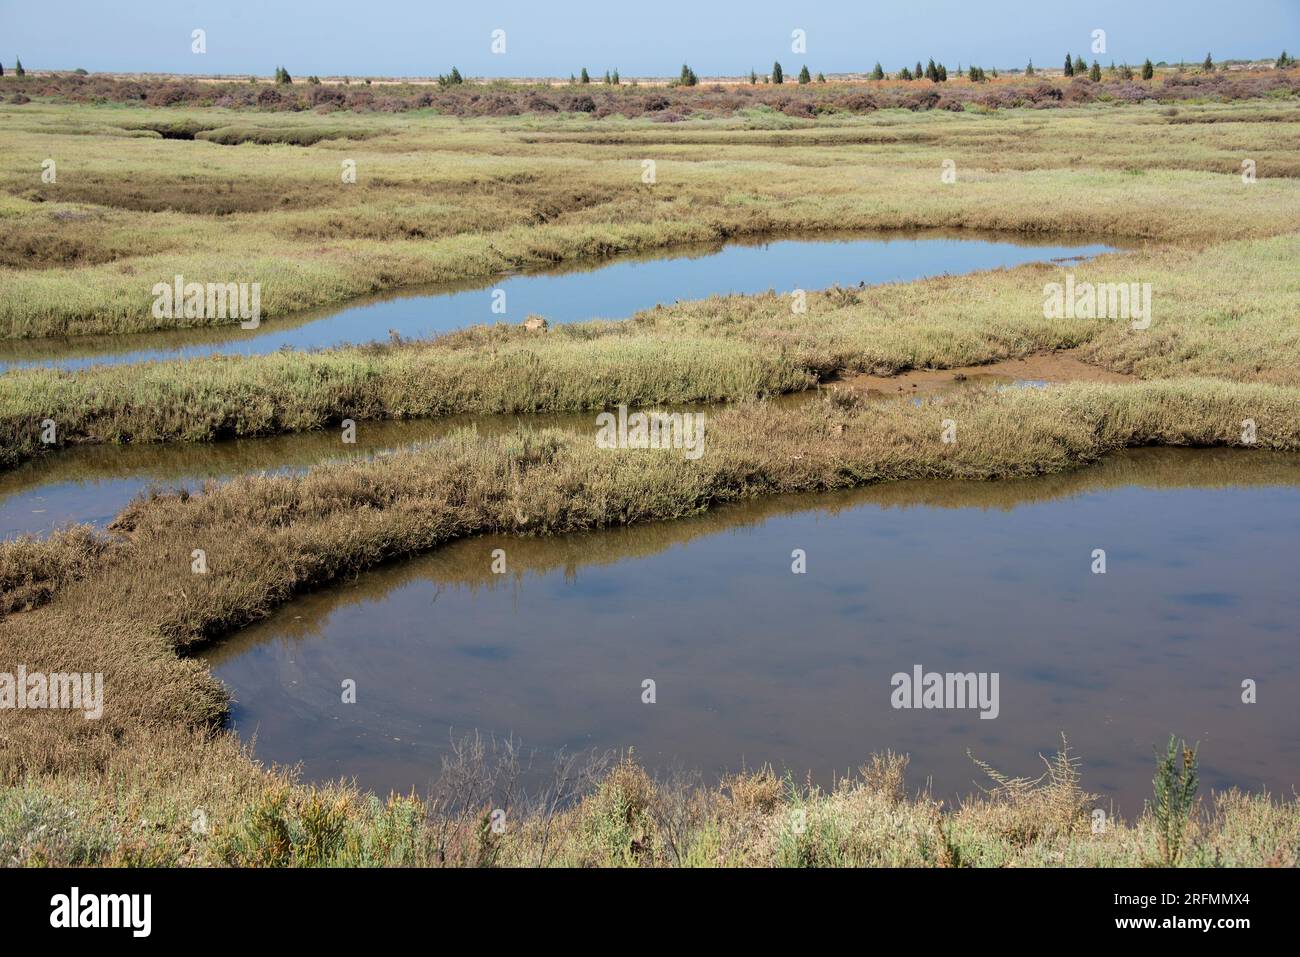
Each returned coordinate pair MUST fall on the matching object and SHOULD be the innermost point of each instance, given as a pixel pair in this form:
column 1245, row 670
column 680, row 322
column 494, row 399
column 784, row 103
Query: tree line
column 1075, row 65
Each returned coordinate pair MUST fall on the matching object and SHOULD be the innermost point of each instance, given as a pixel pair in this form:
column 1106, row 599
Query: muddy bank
column 1046, row 368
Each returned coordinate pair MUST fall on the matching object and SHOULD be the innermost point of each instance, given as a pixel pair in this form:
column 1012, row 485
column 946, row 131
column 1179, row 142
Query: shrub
column 1175, row 795
column 922, row 100
column 857, row 102
column 582, row 104
column 618, row 820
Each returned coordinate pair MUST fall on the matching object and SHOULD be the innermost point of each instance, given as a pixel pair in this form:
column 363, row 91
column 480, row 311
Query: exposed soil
column 1046, row 367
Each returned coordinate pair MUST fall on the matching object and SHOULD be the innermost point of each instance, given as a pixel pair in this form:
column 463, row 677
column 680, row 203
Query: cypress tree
column 616, row 81
column 942, row 73
column 18, row 68
column 879, row 74
column 1148, row 71
column 584, row 77
column 904, row 74
column 777, row 75
column 753, row 78
column 1208, row 65
column 804, row 75
column 1069, row 66
column 1095, row 73
column 1029, row 70
column 1080, row 66
column 919, row 72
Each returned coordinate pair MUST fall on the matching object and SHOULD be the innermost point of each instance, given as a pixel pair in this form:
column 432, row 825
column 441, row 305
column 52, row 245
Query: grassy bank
column 131, row 611
column 442, row 199
column 598, row 813
column 1226, row 311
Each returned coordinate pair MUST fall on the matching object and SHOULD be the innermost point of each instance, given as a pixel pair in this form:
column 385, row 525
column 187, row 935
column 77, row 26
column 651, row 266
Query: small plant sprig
column 1175, row 794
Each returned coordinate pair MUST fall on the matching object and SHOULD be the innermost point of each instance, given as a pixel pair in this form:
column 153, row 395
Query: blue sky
column 639, row 37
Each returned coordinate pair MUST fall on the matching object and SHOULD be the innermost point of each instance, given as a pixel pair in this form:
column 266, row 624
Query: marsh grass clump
column 39, row 829
column 287, row 826
column 755, row 791
column 32, row 569
column 885, row 775
column 1175, row 799
column 1023, row 810
column 618, row 820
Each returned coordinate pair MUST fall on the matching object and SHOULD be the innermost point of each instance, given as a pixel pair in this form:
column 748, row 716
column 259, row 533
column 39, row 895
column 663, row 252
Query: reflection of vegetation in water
column 159, row 464
column 720, row 349
column 466, row 564
column 70, row 348
column 136, row 614
column 507, row 194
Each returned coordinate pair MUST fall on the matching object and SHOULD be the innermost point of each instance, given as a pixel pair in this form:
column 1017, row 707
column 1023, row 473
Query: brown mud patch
column 1043, row 367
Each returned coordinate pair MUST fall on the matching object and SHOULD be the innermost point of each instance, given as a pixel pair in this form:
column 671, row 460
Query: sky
column 638, row 37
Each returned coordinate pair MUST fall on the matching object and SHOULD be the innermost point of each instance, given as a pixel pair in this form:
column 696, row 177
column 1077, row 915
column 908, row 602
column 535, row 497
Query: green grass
column 1225, row 312
column 440, row 199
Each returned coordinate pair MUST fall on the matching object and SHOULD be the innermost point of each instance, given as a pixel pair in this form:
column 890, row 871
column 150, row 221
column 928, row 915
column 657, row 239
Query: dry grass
column 441, row 199
column 501, row 194
column 268, row 537
column 1224, row 312
column 32, row 569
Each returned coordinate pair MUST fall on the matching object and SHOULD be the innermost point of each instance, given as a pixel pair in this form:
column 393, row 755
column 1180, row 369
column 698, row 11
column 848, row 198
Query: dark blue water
column 615, row 289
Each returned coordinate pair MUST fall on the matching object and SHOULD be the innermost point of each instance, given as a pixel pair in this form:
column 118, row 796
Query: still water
column 611, row 289
column 754, row 664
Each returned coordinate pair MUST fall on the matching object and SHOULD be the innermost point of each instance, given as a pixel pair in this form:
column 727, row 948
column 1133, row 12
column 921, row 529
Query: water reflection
column 611, row 288
column 755, row 664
